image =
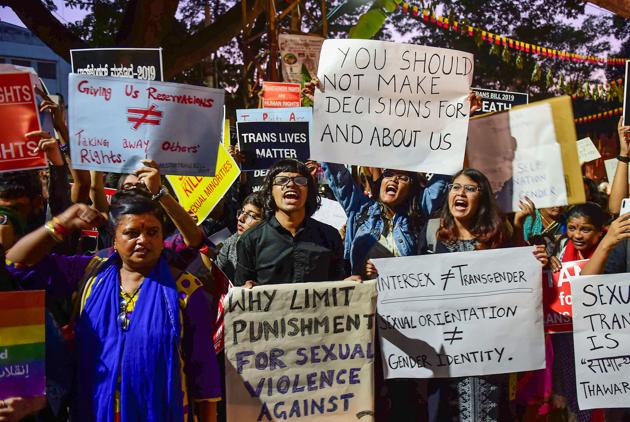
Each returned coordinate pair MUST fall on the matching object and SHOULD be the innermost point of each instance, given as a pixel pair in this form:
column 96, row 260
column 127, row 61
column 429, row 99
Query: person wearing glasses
column 388, row 225
column 247, row 217
column 289, row 246
column 143, row 329
column 471, row 221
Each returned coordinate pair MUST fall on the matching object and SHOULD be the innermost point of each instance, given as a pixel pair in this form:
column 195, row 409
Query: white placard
column 611, row 169
column 392, row 105
column 601, row 338
column 116, row 122
column 300, row 351
column 460, row 314
column 587, row 150
column 332, row 213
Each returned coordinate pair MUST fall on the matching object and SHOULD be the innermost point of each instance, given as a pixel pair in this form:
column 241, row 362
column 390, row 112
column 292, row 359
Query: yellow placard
column 562, row 111
column 226, row 133
column 200, row 195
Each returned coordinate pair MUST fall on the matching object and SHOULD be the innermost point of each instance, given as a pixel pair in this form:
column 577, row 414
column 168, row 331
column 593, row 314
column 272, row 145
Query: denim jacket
column 362, row 235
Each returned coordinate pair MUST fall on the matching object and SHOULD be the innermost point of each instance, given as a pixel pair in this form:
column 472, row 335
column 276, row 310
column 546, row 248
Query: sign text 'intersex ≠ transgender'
column 392, row 105
column 300, row 351
column 116, row 122
column 460, row 314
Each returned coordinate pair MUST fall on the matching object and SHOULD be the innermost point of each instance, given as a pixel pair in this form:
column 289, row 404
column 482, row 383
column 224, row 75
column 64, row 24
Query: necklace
column 126, row 300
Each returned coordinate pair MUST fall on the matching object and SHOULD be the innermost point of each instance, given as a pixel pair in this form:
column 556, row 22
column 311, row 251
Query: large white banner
column 116, row 122
column 601, row 337
column 300, row 351
column 392, row 105
column 460, row 314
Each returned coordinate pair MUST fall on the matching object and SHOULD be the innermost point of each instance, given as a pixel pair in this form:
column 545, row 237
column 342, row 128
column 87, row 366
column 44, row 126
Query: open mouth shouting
column 391, row 189
column 291, row 196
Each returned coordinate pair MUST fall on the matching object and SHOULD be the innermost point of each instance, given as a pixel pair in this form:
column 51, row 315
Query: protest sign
column 587, row 151
column 294, row 114
column 626, row 99
column 281, row 94
column 300, row 351
column 255, row 179
column 392, row 105
column 93, row 232
column 22, row 347
column 557, row 297
column 199, row 195
column 134, row 63
column 601, row 338
column 20, row 115
column 331, row 212
column 611, row 169
column 299, row 55
column 264, row 143
column 116, row 122
column 493, row 100
column 529, row 150
column 460, row 314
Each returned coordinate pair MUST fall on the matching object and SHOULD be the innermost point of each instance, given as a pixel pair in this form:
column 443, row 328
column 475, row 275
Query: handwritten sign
column 281, row 94
column 331, row 212
column 493, row 100
column 292, row 114
column 601, row 337
column 199, row 195
column 115, row 123
column 460, row 314
column 611, row 169
column 22, row 347
column 587, row 151
column 19, row 114
column 264, row 143
column 392, row 105
column 557, row 297
column 134, row 63
column 300, row 351
column 518, row 152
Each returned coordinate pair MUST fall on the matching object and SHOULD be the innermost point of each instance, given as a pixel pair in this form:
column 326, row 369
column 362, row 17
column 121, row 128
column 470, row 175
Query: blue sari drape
column 143, row 362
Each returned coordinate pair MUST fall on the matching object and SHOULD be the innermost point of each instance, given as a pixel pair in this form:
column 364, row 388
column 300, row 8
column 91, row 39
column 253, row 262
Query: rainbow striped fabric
column 22, row 347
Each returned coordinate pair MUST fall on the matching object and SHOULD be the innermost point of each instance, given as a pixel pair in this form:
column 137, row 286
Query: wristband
column 163, row 191
column 57, row 237
column 60, row 228
column 623, row 159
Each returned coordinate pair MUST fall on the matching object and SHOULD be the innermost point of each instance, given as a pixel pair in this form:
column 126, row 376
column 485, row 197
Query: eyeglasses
column 456, row 187
column 249, row 218
column 284, row 180
column 401, row 177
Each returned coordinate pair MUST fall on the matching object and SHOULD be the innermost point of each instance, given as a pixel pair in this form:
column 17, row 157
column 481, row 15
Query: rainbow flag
column 22, row 347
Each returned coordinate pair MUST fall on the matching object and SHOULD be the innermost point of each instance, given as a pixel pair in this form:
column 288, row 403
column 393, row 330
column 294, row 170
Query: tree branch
column 198, row 46
column 146, row 22
column 45, row 26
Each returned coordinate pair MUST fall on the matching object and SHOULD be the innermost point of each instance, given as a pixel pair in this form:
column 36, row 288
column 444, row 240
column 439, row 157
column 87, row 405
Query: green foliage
column 369, row 24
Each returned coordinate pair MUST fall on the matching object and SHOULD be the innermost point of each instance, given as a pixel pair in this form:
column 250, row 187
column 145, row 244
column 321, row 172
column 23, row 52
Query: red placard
column 557, row 297
column 281, row 94
column 19, row 115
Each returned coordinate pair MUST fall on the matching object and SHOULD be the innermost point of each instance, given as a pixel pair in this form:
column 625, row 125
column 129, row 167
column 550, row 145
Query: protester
column 135, row 358
column 544, row 222
column 249, row 216
column 389, row 226
column 471, row 221
column 585, row 228
column 289, row 246
column 619, row 188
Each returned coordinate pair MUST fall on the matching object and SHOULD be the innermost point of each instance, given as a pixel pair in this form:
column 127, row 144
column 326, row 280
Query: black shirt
column 269, row 254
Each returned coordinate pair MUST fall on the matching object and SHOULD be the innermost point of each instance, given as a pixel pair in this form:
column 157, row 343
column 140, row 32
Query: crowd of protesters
column 130, row 321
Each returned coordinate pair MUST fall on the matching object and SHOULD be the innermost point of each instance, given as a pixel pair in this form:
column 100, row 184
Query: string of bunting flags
column 446, row 23
column 598, row 116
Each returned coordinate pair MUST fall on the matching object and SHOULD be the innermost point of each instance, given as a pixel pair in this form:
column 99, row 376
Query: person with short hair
column 289, row 246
